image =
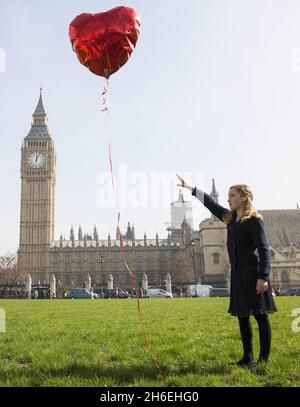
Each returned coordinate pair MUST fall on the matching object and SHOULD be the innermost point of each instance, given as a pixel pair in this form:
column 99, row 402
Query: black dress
column 249, row 256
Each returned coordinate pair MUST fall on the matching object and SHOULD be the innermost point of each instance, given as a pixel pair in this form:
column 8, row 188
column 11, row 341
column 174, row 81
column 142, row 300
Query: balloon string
column 105, row 105
column 105, row 101
column 105, row 94
column 111, row 169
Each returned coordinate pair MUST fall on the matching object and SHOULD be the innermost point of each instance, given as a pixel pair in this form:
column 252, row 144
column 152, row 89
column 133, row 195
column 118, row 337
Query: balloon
column 104, row 42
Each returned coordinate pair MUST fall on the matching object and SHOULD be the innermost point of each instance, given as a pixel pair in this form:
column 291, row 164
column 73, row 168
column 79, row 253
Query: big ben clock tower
column 38, row 177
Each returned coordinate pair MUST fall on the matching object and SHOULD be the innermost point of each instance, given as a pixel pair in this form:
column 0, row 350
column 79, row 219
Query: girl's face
column 234, row 199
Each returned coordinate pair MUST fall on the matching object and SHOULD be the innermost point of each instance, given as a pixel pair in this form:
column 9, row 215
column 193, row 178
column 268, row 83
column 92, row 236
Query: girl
column 249, row 255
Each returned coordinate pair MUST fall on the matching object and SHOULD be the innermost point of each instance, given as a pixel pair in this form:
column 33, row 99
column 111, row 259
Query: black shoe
column 262, row 364
column 246, row 365
column 262, row 360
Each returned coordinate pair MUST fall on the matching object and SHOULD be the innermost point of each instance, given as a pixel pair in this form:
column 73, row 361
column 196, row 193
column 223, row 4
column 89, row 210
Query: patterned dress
column 249, row 255
column 244, row 300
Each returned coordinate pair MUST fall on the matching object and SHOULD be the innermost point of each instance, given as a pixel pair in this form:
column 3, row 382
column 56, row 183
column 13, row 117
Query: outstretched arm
column 215, row 208
column 260, row 241
column 210, row 203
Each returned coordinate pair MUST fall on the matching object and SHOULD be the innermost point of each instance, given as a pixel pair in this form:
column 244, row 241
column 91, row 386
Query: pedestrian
column 249, row 255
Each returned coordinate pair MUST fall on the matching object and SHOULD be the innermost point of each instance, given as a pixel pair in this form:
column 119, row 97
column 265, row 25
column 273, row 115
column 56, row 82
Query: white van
column 154, row 292
column 201, row 290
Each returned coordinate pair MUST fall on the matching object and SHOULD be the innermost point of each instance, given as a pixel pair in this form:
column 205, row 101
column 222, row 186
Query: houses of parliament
column 189, row 255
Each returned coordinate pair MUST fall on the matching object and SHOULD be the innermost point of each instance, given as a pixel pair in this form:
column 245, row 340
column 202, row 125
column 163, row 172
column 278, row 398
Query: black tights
column 265, row 335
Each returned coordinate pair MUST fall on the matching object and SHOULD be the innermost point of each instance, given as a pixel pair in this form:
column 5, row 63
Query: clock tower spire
column 39, row 115
column 38, row 179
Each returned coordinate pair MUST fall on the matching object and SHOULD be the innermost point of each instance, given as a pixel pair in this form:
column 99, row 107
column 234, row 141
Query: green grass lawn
column 100, row 343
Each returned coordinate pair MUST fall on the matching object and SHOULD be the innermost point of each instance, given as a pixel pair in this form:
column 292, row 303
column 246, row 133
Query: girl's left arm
column 260, row 242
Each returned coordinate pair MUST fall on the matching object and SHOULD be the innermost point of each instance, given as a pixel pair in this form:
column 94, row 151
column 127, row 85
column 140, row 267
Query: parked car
column 116, row 293
column 156, row 292
column 81, row 293
column 198, row 290
column 220, row 292
column 294, row 291
column 284, row 292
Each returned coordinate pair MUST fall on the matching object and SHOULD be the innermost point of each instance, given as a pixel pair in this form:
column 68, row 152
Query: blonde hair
column 248, row 207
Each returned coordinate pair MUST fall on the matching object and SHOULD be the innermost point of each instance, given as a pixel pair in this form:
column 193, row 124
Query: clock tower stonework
column 38, row 178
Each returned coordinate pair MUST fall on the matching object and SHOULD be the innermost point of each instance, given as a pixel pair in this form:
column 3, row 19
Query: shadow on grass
column 120, row 374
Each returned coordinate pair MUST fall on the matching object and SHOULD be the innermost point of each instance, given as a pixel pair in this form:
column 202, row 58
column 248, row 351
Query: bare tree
column 12, row 271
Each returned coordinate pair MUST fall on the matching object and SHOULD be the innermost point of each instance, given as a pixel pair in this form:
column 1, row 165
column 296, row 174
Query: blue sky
column 212, row 88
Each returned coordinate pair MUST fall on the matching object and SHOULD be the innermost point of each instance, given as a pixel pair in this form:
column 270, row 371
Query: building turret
column 128, row 235
column 80, row 234
column 96, row 237
column 133, row 235
column 215, row 195
column 72, row 236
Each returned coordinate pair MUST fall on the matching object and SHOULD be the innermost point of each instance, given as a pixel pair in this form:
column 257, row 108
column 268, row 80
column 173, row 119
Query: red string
column 105, row 97
column 111, row 169
column 105, row 94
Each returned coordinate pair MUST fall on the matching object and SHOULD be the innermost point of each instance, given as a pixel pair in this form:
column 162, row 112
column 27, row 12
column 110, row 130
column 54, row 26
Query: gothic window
column 68, row 266
column 79, row 280
column 151, row 264
column 91, row 259
column 100, row 259
column 67, row 279
column 151, row 278
column 216, row 258
column 285, row 277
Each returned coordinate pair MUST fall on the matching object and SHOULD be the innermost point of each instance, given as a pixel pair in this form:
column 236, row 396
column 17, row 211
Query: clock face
column 36, row 160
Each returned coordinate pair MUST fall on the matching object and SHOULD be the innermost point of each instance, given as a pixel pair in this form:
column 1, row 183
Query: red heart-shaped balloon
column 104, row 42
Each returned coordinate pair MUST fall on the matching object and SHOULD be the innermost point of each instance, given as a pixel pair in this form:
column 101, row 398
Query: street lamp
column 193, row 256
column 101, row 261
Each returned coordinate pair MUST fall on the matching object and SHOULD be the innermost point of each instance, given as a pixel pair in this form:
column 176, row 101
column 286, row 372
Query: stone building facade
column 283, row 231
column 188, row 255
